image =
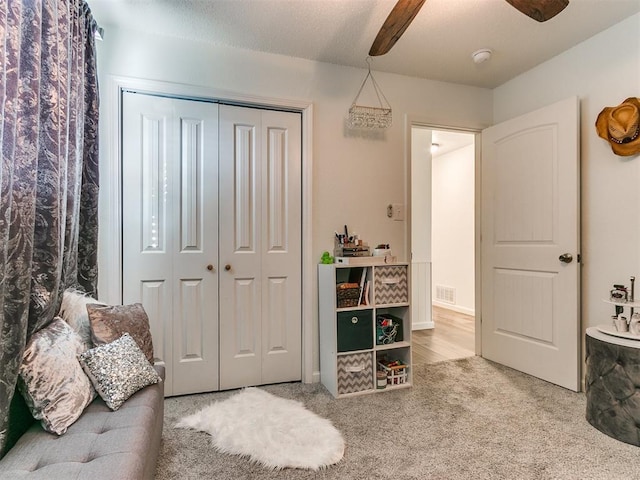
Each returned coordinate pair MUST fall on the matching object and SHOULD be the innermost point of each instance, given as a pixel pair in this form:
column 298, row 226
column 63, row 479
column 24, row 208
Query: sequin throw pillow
column 118, row 370
column 51, row 380
column 109, row 322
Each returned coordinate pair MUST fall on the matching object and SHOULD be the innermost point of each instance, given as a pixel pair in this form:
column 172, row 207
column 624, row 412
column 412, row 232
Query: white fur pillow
column 74, row 311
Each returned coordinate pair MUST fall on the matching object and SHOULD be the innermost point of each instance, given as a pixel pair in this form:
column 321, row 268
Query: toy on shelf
column 326, row 258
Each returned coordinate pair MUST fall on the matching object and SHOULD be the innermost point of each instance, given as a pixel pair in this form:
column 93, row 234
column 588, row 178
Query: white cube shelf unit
column 352, row 346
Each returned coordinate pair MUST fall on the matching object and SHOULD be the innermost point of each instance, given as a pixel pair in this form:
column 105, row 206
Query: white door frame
column 110, row 236
column 417, row 121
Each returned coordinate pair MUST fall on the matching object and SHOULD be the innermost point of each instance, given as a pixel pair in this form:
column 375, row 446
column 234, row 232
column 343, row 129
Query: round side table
column 613, row 385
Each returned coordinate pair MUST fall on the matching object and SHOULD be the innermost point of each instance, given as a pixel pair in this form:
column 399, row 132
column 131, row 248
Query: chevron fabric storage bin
column 391, row 284
column 355, row 372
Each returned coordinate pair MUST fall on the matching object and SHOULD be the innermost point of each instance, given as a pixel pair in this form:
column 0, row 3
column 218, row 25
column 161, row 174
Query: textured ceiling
column 437, row 45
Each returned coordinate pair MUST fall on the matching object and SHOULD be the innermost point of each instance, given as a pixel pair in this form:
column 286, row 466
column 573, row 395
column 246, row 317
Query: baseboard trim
column 455, row 308
column 315, row 377
column 423, row 326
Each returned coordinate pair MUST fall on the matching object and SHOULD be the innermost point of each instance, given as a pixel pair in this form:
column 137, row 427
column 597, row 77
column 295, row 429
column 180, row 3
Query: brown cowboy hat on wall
column 620, row 126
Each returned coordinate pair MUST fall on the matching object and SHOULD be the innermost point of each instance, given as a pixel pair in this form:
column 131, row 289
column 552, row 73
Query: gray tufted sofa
column 100, row 445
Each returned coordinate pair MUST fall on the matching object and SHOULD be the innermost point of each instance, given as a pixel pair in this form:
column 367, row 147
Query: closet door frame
column 110, row 235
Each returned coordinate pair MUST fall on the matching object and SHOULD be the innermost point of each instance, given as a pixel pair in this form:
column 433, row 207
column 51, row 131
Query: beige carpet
column 463, row 419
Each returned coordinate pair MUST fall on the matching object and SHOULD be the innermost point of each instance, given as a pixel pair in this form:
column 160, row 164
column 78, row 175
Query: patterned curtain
column 49, row 174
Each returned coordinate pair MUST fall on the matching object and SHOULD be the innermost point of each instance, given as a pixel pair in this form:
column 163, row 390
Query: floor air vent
column 445, row 294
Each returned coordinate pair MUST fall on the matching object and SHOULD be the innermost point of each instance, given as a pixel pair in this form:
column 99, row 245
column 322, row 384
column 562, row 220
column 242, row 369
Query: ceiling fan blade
column 540, row 10
column 394, row 26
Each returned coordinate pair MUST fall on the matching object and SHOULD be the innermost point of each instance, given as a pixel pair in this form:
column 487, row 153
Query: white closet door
column 260, row 247
column 170, row 232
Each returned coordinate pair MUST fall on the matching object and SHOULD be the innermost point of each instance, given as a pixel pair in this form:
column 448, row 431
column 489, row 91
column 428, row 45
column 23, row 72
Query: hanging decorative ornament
column 366, row 117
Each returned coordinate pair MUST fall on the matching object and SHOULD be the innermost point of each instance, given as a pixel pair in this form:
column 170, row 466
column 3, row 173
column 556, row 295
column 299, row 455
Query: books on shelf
column 363, row 277
column 366, row 293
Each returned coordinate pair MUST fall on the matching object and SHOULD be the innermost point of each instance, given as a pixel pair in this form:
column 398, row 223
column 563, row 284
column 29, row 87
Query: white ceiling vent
column 446, row 294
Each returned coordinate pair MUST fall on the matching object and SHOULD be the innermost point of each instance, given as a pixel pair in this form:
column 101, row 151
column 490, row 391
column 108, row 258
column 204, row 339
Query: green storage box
column 388, row 329
column 355, row 330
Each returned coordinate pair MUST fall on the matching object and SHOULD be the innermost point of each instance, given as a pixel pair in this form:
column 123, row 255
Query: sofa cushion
column 101, row 445
column 109, row 322
column 51, row 380
column 118, row 370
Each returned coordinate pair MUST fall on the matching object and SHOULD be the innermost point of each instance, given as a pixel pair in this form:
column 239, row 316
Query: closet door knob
column 227, row 267
column 566, row 258
column 210, row 267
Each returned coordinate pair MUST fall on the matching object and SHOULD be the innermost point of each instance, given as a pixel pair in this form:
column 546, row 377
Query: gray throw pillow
column 110, row 322
column 51, row 380
column 118, row 370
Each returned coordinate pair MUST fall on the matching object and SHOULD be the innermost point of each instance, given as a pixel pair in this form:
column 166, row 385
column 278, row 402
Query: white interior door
column 530, row 224
column 170, row 232
column 260, row 247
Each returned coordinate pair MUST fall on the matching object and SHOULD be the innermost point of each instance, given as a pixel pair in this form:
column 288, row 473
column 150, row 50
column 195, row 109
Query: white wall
column 354, row 175
column 453, row 226
column 601, row 71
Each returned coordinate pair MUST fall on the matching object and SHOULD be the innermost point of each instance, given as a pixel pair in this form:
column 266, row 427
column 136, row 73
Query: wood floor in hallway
column 453, row 337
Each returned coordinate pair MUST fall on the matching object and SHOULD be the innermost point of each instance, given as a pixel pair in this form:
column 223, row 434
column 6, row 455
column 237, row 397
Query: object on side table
column 619, row 293
column 622, row 297
column 621, row 324
column 634, row 324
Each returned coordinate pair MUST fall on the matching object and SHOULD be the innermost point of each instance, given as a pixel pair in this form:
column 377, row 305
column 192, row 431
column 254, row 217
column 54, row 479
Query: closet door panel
column 281, row 249
column 240, row 227
column 147, row 145
column 195, row 302
column 170, row 232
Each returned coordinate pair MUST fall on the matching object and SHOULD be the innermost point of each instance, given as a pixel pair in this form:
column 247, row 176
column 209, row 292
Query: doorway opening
column 443, row 243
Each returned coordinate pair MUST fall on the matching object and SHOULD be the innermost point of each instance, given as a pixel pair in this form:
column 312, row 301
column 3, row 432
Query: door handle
column 227, row 267
column 210, row 267
column 566, row 258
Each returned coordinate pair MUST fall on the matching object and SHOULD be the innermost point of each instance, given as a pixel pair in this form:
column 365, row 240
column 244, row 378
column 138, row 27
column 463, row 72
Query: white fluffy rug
column 273, row 431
